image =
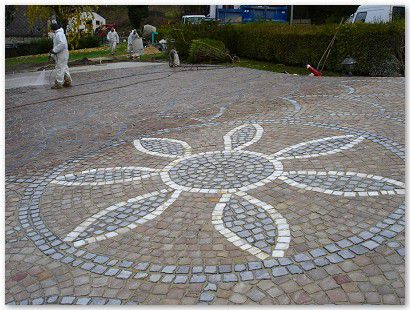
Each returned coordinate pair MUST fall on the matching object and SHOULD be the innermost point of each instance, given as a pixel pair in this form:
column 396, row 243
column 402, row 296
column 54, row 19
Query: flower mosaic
column 245, row 221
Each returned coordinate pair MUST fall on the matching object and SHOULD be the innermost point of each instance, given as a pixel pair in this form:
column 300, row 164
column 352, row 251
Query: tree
column 173, row 16
column 10, row 13
column 136, row 13
column 195, row 9
column 69, row 17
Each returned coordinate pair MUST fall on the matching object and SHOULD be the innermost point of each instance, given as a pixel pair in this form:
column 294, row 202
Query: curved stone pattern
column 343, row 183
column 319, row 147
column 251, row 223
column 220, row 170
column 242, row 136
column 163, row 147
column 50, row 244
column 105, row 176
column 120, row 218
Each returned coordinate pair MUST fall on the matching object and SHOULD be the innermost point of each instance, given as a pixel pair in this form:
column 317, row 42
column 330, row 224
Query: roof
column 96, row 16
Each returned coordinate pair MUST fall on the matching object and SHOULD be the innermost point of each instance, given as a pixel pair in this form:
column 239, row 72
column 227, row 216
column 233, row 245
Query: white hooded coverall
column 135, row 45
column 60, row 48
column 114, row 39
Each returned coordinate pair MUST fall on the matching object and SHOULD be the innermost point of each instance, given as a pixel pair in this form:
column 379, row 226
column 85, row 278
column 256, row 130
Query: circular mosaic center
column 221, row 170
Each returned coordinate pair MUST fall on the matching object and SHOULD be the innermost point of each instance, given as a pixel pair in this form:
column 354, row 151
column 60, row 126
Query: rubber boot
column 57, row 86
column 67, row 81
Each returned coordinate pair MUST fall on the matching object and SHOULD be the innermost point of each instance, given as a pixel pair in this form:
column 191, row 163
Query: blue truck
column 252, row 13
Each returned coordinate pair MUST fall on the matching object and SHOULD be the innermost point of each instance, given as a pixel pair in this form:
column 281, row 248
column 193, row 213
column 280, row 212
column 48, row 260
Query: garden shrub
column 44, row 45
column 37, row 46
column 390, row 67
column 372, row 45
column 207, row 50
column 87, row 41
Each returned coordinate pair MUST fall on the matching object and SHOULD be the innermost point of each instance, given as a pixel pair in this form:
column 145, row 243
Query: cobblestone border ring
column 230, row 180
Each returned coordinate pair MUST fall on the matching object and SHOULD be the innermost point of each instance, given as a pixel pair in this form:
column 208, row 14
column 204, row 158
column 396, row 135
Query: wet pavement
column 205, row 185
column 43, row 78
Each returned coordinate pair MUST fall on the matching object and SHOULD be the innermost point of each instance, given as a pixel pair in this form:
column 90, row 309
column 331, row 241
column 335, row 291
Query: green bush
column 207, row 50
column 88, row 41
column 372, row 45
column 44, row 45
column 38, row 46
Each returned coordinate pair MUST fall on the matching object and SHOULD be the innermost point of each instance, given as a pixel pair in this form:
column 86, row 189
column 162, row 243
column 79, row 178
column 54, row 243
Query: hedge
column 44, row 45
column 88, row 41
column 372, row 45
column 38, row 46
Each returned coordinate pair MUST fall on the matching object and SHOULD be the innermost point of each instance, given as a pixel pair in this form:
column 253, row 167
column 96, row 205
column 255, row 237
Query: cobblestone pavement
column 206, row 186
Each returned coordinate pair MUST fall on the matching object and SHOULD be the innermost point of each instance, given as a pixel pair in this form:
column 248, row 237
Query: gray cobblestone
column 83, row 301
column 198, row 279
column 229, row 277
column 246, row 276
column 279, row 271
column 52, row 299
column 180, row 279
column 262, row 274
column 124, row 274
column 294, row 269
column 346, row 254
column 67, row 300
column 206, row 297
column 210, row 269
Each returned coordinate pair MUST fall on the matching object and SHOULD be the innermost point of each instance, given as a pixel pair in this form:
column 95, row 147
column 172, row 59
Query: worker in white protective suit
column 131, row 38
column 60, row 56
column 113, row 39
column 135, row 45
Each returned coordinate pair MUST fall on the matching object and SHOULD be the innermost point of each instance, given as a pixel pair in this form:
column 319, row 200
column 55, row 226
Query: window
column 97, row 22
column 398, row 12
column 360, row 17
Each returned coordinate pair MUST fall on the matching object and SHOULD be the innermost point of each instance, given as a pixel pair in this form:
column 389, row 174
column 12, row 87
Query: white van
column 378, row 13
column 193, row 19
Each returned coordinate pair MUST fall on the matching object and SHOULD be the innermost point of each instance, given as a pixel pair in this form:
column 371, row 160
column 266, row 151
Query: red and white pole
column 313, row 70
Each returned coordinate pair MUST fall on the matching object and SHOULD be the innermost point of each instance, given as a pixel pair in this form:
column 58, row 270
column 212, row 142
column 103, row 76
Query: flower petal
column 121, row 217
column 252, row 225
column 319, row 147
column 242, row 136
column 105, row 176
column 163, row 147
column 349, row 184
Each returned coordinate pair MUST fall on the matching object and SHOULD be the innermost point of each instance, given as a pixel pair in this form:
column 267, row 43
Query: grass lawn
column 31, row 61
column 268, row 66
column 16, row 63
column 35, row 61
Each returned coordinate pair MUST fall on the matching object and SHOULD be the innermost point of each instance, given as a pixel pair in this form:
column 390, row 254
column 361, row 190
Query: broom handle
column 330, row 44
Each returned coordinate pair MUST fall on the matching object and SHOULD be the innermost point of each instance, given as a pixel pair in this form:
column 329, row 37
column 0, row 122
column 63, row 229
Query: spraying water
column 41, row 79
